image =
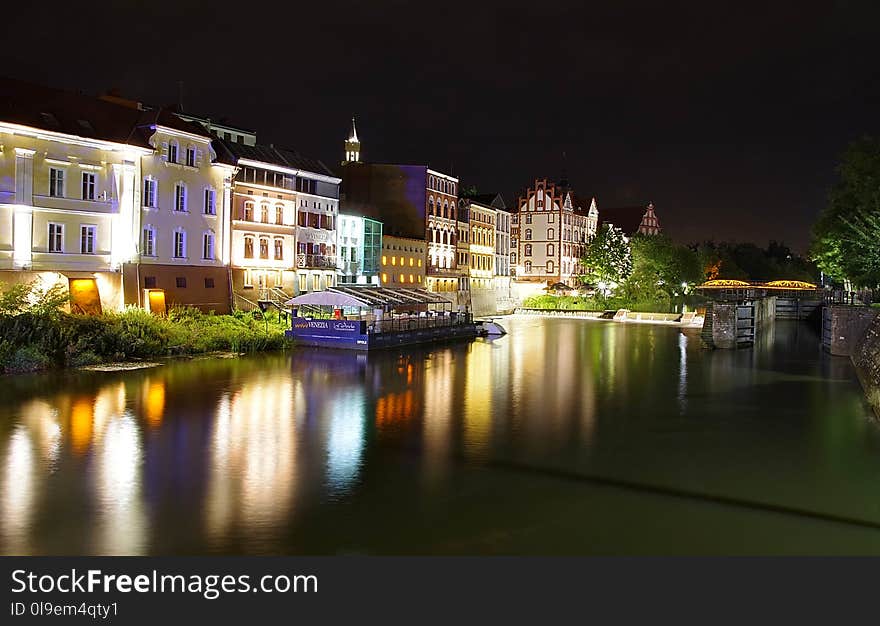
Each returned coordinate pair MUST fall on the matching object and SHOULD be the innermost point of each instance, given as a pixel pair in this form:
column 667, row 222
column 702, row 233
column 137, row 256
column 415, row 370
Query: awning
column 367, row 296
column 327, row 298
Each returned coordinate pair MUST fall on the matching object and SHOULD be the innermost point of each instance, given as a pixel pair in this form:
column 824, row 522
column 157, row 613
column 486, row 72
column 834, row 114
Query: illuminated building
column 488, row 238
column 633, row 219
column 413, row 202
column 110, row 199
column 402, row 262
column 359, row 244
column 549, row 232
column 284, row 216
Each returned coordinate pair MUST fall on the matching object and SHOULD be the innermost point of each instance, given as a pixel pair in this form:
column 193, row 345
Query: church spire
column 352, row 146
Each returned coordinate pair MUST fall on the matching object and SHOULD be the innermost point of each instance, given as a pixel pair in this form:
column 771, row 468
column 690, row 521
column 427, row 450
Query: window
column 210, row 202
column 149, row 198
column 279, row 213
column 528, row 218
column 264, row 213
column 264, row 248
column 248, row 247
column 209, row 283
column 249, row 211
column 149, row 282
column 191, row 156
column 179, row 244
column 180, row 281
column 180, row 197
column 87, row 239
column 528, row 234
column 172, row 152
column 513, row 257
column 149, row 244
column 550, row 218
column 528, row 249
column 550, row 233
column 56, row 237
column 208, row 246
column 551, row 250
column 528, row 266
column 56, row 182
column 279, row 249
column 88, row 186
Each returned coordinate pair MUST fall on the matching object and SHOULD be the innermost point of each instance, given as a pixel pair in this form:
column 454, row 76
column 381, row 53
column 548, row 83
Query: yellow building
column 402, row 263
column 110, row 200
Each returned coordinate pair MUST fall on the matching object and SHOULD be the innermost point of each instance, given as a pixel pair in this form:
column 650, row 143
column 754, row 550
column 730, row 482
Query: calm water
column 565, row 436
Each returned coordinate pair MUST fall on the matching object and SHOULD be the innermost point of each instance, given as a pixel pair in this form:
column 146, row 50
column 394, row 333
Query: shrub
column 27, row 359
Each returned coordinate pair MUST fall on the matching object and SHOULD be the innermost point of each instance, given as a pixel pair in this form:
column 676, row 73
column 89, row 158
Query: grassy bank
column 583, row 303
column 39, row 339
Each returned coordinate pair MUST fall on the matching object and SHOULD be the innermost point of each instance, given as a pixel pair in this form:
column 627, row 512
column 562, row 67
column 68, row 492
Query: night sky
column 731, row 117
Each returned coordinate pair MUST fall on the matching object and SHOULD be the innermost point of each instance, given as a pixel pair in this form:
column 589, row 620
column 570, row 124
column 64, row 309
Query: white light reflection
column 121, row 526
column 345, row 443
column 682, row 372
column 18, row 495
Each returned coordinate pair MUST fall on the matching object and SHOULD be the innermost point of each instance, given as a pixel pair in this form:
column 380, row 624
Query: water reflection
column 319, row 449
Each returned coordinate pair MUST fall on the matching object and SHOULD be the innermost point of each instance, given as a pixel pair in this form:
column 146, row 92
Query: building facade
column 120, row 204
column 402, row 263
column 549, row 233
column 359, row 249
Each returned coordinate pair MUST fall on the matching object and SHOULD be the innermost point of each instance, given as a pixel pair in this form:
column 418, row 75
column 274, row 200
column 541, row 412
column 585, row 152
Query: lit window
column 411, row 278
column 394, row 260
column 248, row 247
column 264, row 248
column 384, row 260
column 384, row 278
column 264, row 213
column 401, row 261
column 279, row 213
column 249, row 211
column 279, row 249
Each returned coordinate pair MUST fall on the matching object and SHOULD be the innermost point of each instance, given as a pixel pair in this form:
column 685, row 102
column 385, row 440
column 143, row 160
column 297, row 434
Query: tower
column 352, row 146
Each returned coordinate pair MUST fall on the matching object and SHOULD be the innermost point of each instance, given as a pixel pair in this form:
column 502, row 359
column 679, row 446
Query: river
column 563, row 437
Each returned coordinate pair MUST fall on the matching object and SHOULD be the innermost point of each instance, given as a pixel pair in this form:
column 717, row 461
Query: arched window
column 528, row 249
column 264, row 213
column 431, row 205
column 550, row 267
column 445, row 208
column 550, row 233
column 249, row 211
column 551, row 249
column 279, row 213
column 513, row 258
column 452, row 188
column 208, row 246
column 528, row 266
column 431, row 182
column 279, row 249
column 264, row 247
column 173, row 151
column 248, row 247
column 528, row 234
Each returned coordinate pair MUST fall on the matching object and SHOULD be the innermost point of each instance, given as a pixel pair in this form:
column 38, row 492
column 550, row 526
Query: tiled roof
column 82, row 115
column 270, row 154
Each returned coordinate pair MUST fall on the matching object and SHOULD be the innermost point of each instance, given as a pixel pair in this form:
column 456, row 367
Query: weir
column 739, row 311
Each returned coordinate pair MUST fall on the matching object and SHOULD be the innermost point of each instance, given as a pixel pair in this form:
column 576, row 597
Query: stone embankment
column 854, row 331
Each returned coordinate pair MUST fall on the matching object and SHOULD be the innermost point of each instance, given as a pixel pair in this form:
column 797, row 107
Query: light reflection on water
column 444, row 449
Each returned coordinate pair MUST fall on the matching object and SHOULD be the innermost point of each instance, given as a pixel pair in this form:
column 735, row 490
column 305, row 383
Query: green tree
column 660, row 267
column 608, row 259
column 846, row 235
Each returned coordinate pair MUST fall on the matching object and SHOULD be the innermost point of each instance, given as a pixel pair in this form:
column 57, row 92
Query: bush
column 27, row 359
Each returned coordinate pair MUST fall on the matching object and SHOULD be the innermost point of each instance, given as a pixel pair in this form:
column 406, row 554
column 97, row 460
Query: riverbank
column 47, row 340
column 623, row 315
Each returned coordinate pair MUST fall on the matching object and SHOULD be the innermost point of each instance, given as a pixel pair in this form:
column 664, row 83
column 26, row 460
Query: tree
column 660, row 267
column 608, row 259
column 846, row 235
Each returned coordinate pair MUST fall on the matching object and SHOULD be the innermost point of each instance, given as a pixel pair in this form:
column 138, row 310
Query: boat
column 490, row 328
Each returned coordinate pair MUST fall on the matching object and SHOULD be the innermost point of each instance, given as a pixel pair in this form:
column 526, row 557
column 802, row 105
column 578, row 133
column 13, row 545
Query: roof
column 86, row 116
column 494, row 200
column 628, row 218
column 269, row 154
column 367, row 296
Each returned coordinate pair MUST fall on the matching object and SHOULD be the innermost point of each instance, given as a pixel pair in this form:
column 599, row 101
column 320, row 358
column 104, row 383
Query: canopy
column 367, row 296
column 327, row 298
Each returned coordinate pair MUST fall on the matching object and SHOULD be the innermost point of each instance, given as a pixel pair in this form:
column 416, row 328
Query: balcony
column 315, row 260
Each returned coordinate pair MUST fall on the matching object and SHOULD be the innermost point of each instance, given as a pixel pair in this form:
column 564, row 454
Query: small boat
column 490, row 328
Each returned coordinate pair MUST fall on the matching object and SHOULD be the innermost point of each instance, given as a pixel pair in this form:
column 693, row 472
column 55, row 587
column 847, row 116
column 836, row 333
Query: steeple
column 352, row 146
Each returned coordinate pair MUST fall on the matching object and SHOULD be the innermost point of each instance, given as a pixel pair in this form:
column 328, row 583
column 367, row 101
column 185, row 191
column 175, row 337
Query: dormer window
column 191, row 156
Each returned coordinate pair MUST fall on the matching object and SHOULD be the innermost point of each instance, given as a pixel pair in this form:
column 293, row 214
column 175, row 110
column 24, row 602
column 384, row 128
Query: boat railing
column 416, row 322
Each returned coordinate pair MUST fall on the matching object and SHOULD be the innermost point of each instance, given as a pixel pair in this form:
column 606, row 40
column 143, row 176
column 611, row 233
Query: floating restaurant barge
column 365, row 317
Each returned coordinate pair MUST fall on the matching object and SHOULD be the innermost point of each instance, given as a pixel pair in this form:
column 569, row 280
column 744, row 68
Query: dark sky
column 730, row 117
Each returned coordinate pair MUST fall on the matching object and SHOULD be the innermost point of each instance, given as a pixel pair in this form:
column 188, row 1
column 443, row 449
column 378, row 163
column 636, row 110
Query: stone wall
column 722, row 328
column 843, row 327
column 866, row 358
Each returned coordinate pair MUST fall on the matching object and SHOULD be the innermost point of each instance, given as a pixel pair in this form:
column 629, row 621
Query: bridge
column 738, row 310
